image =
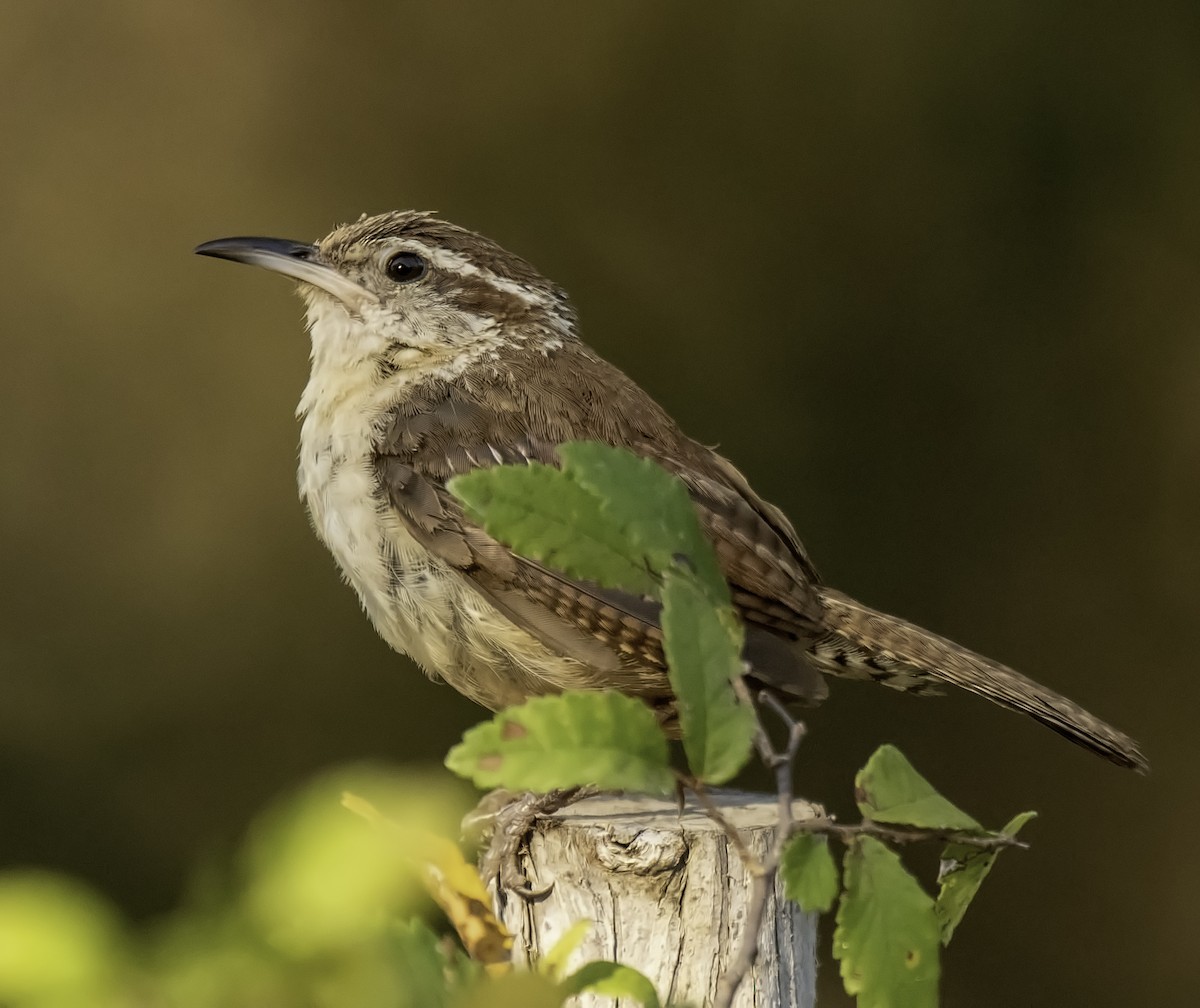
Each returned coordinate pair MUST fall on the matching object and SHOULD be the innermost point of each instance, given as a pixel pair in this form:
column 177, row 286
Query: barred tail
column 864, row 644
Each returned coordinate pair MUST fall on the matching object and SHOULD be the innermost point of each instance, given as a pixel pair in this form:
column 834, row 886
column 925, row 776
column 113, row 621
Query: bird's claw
column 511, row 819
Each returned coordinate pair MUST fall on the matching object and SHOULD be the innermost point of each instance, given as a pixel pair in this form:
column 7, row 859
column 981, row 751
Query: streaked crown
column 435, row 276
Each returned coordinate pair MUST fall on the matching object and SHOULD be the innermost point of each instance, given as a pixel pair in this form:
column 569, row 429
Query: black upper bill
column 252, row 249
column 294, row 259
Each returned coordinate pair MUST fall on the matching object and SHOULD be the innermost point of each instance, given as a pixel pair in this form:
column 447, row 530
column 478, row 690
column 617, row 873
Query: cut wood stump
column 667, row 895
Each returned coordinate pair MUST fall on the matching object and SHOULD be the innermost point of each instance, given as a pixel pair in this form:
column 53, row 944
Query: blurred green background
column 927, row 272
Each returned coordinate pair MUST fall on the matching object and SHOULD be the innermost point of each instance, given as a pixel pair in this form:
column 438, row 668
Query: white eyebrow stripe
column 452, row 262
column 440, row 257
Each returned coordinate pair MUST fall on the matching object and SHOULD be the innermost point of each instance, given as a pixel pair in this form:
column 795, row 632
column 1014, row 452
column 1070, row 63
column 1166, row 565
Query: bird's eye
column 405, row 267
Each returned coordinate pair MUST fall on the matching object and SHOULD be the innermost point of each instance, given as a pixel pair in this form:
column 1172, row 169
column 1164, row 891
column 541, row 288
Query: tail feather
column 864, row 644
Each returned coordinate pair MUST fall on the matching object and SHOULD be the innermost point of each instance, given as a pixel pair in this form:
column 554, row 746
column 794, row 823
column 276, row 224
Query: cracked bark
column 667, row 895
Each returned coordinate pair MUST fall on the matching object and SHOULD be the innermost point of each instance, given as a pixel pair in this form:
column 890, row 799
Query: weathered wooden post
column 667, row 893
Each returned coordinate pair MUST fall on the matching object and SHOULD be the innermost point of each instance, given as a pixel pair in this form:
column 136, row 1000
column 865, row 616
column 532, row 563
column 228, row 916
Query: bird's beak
column 294, row 259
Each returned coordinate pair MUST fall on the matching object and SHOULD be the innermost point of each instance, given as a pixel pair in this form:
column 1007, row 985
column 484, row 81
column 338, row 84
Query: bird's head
column 412, row 289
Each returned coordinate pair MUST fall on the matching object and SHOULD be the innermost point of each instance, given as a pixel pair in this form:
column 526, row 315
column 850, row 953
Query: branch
column 763, row 879
column 847, row 833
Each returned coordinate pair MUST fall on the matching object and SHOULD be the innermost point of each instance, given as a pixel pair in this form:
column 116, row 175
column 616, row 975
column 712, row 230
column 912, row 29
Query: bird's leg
column 503, row 821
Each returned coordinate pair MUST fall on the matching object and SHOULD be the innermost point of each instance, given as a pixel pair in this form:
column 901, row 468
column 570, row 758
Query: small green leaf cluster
column 888, row 928
column 620, row 521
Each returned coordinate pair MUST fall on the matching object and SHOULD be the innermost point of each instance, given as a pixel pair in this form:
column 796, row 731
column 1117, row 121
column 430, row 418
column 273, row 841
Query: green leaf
column 887, row 934
column 542, row 513
column 612, row 980
column 518, row 989
column 650, row 506
column 579, row 737
column 889, row 790
column 419, row 959
column 963, row 870
column 703, row 645
column 809, row 875
column 554, row 962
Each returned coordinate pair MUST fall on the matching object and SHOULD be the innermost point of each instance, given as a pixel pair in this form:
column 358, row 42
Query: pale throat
column 362, row 363
column 362, row 366
column 347, row 398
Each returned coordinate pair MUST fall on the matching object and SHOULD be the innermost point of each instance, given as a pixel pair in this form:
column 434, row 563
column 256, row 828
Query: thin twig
column 763, row 880
column 762, row 741
column 762, row 872
column 847, row 833
column 783, row 764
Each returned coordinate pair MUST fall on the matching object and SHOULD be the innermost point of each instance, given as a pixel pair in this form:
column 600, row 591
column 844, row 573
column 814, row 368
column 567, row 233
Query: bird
column 436, row 352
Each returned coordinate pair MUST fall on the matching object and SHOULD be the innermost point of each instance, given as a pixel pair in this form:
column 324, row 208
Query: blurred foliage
column 311, row 914
column 323, row 910
column 61, row 944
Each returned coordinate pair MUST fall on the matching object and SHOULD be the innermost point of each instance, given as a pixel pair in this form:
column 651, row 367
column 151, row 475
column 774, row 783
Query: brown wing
column 485, row 418
column 576, row 619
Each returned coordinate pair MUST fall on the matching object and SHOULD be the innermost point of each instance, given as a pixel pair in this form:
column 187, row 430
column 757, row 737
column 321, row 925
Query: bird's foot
column 503, row 821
